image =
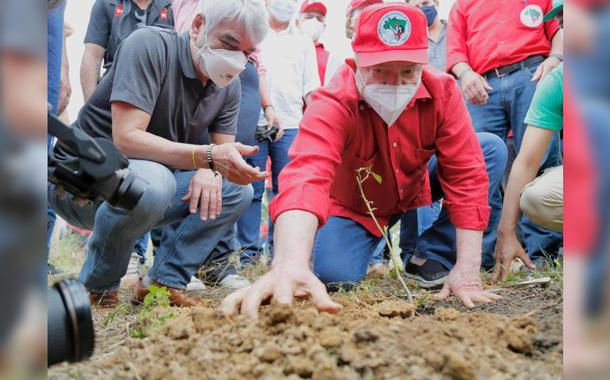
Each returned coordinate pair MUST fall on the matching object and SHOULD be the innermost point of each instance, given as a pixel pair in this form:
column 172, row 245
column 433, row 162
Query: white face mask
column 313, row 28
column 220, row 65
column 387, row 100
column 283, row 10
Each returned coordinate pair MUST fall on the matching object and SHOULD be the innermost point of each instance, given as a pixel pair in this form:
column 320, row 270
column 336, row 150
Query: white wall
column 78, row 11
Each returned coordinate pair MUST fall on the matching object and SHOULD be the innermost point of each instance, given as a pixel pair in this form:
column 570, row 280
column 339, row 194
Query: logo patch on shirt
column 164, row 14
column 532, row 16
column 394, row 28
column 118, row 11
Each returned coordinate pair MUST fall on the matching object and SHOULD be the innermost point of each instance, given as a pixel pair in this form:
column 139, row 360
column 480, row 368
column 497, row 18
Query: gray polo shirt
column 437, row 51
column 154, row 72
column 112, row 21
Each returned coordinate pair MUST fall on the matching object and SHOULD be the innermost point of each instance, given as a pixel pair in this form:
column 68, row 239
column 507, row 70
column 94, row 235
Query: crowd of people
column 210, row 98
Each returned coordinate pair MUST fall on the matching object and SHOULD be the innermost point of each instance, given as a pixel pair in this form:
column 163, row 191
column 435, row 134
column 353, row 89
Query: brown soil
column 375, row 337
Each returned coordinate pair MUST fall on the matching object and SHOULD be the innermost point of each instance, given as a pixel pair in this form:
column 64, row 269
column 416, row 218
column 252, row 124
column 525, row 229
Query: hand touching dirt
column 464, row 282
column 282, row 283
column 508, row 249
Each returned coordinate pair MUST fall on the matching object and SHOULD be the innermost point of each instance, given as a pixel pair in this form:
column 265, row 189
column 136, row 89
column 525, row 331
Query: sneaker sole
column 423, row 283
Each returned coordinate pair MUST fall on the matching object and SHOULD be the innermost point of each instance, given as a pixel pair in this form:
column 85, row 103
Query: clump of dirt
column 374, row 337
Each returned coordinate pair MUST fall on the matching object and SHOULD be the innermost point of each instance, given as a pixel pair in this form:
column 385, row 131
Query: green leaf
column 377, row 178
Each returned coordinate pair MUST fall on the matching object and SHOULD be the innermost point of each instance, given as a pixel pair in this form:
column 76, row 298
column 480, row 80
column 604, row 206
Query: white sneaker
column 195, row 285
column 234, row 281
column 132, row 277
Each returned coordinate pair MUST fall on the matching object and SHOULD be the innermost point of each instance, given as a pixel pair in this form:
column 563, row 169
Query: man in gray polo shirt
column 162, row 92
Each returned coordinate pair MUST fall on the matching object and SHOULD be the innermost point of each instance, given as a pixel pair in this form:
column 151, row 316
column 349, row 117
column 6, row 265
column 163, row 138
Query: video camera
column 91, row 169
column 264, row 134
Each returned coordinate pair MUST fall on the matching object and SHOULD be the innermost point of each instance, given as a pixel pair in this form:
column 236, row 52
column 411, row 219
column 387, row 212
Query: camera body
column 264, row 134
column 92, row 168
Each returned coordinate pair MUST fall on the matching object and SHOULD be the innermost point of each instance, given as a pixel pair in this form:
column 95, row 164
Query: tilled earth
column 376, row 336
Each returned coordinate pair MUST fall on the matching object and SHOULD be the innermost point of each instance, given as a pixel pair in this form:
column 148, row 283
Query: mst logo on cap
column 394, row 28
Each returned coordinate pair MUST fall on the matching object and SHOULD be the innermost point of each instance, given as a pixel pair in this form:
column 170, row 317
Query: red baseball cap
column 391, row 32
column 357, row 4
column 309, row 5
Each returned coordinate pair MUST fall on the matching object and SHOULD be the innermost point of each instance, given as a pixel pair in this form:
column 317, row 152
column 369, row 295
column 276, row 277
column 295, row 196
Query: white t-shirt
column 289, row 58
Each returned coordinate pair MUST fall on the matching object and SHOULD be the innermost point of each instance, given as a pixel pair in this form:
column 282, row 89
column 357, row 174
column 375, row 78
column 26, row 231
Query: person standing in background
column 498, row 73
column 354, row 8
column 289, row 58
column 110, row 23
column 312, row 23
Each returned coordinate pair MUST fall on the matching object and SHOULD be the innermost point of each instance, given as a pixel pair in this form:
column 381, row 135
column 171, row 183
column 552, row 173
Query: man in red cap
column 312, row 22
column 354, row 8
column 388, row 112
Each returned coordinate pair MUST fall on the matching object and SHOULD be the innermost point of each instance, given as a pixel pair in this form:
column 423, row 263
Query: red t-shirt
column 580, row 216
column 490, row 34
column 340, row 133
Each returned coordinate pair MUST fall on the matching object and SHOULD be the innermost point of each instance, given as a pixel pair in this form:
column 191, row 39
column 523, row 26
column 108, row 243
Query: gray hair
column 252, row 14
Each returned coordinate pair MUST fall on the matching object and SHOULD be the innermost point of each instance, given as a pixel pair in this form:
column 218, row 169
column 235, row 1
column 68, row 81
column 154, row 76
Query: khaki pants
column 542, row 199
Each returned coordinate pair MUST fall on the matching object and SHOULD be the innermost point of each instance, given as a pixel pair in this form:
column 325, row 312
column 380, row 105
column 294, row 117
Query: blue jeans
column 506, row 109
column 338, row 260
column 141, row 247
column 248, row 226
column 116, row 231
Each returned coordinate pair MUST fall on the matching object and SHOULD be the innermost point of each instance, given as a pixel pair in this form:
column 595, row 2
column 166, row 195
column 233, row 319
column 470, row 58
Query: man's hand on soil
column 282, row 285
column 507, row 249
column 464, row 282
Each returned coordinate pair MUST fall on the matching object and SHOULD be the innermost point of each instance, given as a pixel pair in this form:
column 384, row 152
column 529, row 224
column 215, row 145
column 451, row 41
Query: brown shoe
column 177, row 297
column 107, row 300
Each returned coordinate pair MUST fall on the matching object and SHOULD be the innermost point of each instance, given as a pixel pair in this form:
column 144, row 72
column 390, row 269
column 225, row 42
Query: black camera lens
column 70, row 325
column 130, row 190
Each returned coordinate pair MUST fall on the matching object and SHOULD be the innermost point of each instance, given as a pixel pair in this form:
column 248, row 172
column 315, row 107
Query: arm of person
column 524, row 170
column 129, row 134
column 290, row 275
column 464, row 280
column 65, row 89
column 464, row 180
column 474, row 86
column 90, row 68
column 301, row 206
column 552, row 61
column 205, row 189
column 96, row 43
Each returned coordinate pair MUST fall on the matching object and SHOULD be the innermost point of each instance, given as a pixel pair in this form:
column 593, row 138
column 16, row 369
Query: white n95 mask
column 312, row 28
column 389, row 101
column 283, row 10
column 220, row 65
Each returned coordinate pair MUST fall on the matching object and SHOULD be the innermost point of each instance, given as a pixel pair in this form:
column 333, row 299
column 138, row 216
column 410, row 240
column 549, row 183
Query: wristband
column 464, row 73
column 209, row 158
column 194, row 159
column 559, row 56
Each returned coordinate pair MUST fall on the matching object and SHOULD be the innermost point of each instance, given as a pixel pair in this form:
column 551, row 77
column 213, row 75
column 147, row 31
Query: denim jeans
column 141, row 247
column 338, row 260
column 248, row 226
column 506, row 109
column 116, row 231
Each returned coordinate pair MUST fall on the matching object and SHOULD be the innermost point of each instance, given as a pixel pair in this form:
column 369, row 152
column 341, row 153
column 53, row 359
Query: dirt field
column 377, row 336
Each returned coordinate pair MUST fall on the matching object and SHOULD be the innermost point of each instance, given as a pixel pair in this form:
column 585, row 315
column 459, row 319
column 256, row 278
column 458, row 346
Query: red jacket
column 340, row 133
column 488, row 34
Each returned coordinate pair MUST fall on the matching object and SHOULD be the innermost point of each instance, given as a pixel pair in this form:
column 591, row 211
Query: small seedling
column 363, row 174
column 154, row 312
